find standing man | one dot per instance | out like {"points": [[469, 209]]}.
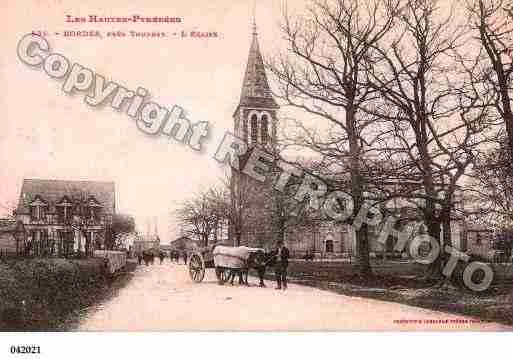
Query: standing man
{"points": [[280, 268]]}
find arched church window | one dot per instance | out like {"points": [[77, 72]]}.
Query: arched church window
{"points": [[254, 129], [245, 129], [264, 130]]}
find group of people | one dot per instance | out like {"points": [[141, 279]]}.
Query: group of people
{"points": [[149, 257], [174, 255]]}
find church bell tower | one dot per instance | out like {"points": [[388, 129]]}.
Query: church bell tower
{"points": [[255, 122], [255, 116]]}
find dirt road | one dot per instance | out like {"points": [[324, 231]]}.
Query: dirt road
{"points": [[163, 298]]}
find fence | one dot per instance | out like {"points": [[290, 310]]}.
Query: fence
{"points": [[115, 259]]}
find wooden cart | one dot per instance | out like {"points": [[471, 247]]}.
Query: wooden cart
{"points": [[203, 258]]}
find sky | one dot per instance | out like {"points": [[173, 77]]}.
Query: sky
{"points": [[49, 134], [46, 133]]}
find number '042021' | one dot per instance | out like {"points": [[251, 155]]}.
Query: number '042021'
{"points": [[25, 349]]}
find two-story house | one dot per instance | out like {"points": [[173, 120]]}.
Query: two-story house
{"points": [[65, 217]]}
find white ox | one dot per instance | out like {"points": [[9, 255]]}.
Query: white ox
{"points": [[233, 257]]}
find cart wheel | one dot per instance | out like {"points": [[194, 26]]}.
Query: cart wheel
{"points": [[222, 275], [196, 267]]}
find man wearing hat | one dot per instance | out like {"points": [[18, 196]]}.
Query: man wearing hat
{"points": [[280, 268]]}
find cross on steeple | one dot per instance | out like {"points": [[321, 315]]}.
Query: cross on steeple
{"points": [[255, 87], [254, 19], [255, 115]]}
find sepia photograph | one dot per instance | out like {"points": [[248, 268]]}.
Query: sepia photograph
{"points": [[270, 166]]}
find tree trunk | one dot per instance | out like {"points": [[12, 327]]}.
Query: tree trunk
{"points": [[237, 238], [281, 230], [443, 258], [508, 120], [434, 270], [362, 240], [362, 248], [444, 223]]}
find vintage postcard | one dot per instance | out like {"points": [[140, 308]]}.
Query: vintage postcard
{"points": [[241, 165]]}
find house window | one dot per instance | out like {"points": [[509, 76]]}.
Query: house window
{"points": [[264, 130], [329, 246], [254, 129], [38, 209], [94, 213], [64, 213], [34, 212], [37, 212]]}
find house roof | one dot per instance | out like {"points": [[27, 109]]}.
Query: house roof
{"points": [[255, 88], [53, 191]]}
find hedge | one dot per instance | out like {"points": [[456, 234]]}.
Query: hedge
{"points": [[35, 292]]}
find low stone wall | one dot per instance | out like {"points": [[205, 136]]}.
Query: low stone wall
{"points": [[334, 269], [115, 259], [503, 272]]}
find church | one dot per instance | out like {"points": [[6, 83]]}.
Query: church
{"points": [[259, 217], [256, 205]]}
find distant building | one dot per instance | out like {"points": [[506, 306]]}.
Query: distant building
{"points": [[185, 244], [65, 217], [13, 237], [326, 238]]}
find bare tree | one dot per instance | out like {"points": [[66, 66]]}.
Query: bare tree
{"points": [[492, 21], [436, 114], [322, 75], [197, 217], [491, 187]]}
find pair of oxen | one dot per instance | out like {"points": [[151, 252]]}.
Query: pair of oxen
{"points": [[230, 262]]}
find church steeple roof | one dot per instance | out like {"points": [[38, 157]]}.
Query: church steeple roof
{"points": [[255, 88]]}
